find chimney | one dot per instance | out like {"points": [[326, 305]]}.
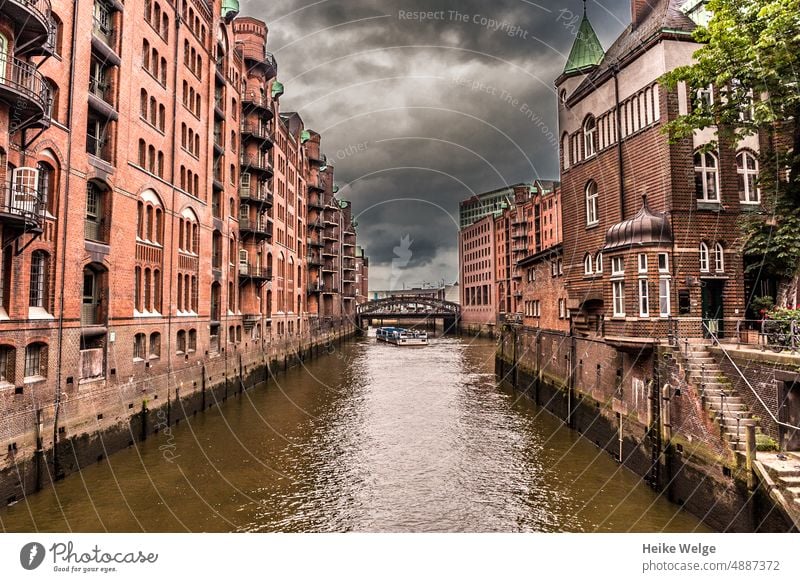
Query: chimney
{"points": [[640, 9]]}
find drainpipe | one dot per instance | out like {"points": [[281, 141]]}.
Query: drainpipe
{"points": [[618, 123], [60, 353], [178, 20]]}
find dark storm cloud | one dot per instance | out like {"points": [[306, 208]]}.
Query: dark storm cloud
{"points": [[419, 113]]}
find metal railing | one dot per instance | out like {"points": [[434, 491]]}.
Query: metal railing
{"points": [[23, 202], [777, 335], [39, 8], [255, 271], [100, 89], [24, 78], [257, 162], [715, 340], [105, 33]]}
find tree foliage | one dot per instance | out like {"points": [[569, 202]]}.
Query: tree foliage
{"points": [[751, 57]]}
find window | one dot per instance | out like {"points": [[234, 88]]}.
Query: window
{"points": [[39, 277], [592, 211], [598, 263], [8, 356], [617, 266], [704, 257], [704, 99], [155, 345], [590, 136], [192, 340], [642, 263], [139, 346], [663, 263], [747, 169], [94, 228], [618, 295], [664, 297], [719, 258], [181, 343], [36, 360], [562, 308], [644, 298], [587, 264], [705, 177]]}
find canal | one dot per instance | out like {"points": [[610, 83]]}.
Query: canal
{"points": [[369, 438]]}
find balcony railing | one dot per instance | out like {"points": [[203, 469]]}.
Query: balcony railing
{"points": [[255, 271], [256, 193], [314, 260], [105, 33], [257, 100], [256, 162], [24, 79], [23, 204], [257, 130], [315, 202], [32, 15], [258, 227], [100, 89]]}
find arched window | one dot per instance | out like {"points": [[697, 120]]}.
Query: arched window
{"points": [[146, 54], [590, 136], [598, 262], [719, 258], [704, 257], [565, 151], [747, 169], [706, 181], [53, 112], [40, 274], [587, 264], [46, 186], [155, 345], [592, 204], [143, 101]]}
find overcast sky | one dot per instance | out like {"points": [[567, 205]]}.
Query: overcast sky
{"points": [[420, 113]]}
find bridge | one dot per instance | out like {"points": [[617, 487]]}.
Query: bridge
{"points": [[410, 309]]}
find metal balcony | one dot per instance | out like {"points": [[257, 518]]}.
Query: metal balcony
{"points": [[256, 194], [255, 272], [24, 89], [256, 163], [315, 203], [260, 229], [314, 261], [21, 208], [32, 19], [257, 132], [315, 185], [315, 243], [317, 287], [258, 101], [257, 58]]}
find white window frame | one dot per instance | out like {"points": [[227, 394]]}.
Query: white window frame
{"points": [[592, 203], [751, 194], [618, 296], [665, 268], [642, 262], [704, 258], [590, 137], [598, 263], [665, 296], [719, 258], [705, 171], [617, 266], [644, 297], [587, 264]]}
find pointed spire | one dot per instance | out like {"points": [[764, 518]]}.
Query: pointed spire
{"points": [[587, 52]]}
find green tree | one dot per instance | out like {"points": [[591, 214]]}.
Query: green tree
{"points": [[751, 57]]}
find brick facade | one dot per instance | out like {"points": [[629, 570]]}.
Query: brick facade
{"points": [[160, 220]]}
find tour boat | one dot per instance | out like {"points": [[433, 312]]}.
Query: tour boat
{"points": [[402, 337]]}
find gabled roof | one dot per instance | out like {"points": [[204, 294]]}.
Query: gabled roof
{"points": [[587, 52], [665, 17]]}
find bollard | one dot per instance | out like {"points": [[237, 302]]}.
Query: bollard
{"points": [[750, 453]]}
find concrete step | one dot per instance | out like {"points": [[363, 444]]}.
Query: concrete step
{"points": [[794, 492], [790, 481], [699, 360], [727, 403]]}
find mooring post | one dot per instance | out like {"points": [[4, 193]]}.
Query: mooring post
{"points": [[750, 455]]}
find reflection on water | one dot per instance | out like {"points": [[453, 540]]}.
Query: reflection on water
{"points": [[371, 438]]}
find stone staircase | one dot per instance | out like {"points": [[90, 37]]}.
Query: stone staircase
{"points": [[723, 404], [781, 474]]}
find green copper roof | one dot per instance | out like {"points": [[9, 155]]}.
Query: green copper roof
{"points": [[230, 8], [587, 51], [305, 136], [277, 89]]}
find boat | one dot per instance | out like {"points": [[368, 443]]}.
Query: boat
{"points": [[402, 337]]}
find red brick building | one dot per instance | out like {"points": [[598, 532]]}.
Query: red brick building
{"points": [[477, 260], [156, 203], [650, 229]]}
